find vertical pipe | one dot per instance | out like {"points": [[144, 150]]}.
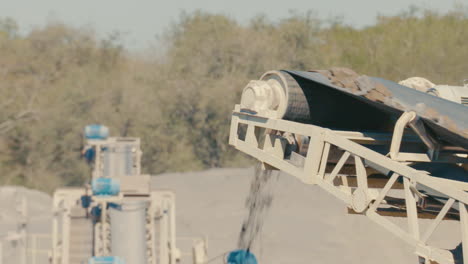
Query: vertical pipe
{"points": [[152, 231], [128, 231], [107, 169], [97, 162], [163, 231], [55, 216], [66, 234], [128, 160], [103, 230], [23, 231], [172, 228], [138, 160]]}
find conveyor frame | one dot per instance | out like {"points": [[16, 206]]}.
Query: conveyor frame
{"points": [[270, 149]]}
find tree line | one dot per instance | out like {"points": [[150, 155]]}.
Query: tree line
{"points": [[178, 97]]}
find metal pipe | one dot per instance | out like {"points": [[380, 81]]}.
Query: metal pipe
{"points": [[128, 231], [172, 226]]}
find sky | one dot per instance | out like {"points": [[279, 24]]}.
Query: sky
{"points": [[141, 21]]}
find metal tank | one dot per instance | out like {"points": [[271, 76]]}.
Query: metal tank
{"points": [[128, 231]]}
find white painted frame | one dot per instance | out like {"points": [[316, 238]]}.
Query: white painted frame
{"points": [[313, 172]]}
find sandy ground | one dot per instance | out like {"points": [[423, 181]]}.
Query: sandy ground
{"points": [[304, 225]]}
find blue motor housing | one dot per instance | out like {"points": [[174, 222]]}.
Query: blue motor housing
{"points": [[106, 260], [241, 256], [96, 132], [105, 186], [89, 154]]}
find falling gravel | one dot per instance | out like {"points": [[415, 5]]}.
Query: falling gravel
{"points": [[258, 202]]}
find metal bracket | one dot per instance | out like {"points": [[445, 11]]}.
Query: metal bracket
{"points": [[412, 120]]}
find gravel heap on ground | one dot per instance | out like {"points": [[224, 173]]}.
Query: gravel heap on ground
{"points": [[304, 224]]}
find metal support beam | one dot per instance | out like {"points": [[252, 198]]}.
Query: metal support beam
{"points": [[411, 209], [323, 163], [430, 230], [361, 173], [312, 162], [330, 177], [384, 192]]}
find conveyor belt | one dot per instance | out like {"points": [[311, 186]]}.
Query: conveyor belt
{"points": [[313, 99]]}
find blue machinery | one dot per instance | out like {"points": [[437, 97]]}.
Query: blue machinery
{"points": [[105, 260], [117, 219]]}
